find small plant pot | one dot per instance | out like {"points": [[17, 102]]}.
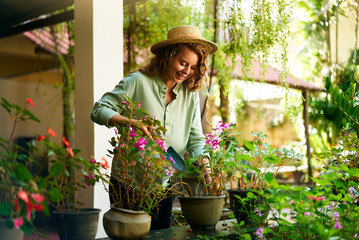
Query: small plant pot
{"points": [[7, 233], [122, 223], [243, 207], [74, 225], [202, 213]]}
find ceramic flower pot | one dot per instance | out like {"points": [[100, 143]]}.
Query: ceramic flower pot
{"points": [[74, 225], [243, 207], [122, 223], [202, 213], [6, 233]]}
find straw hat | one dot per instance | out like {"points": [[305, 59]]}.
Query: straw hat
{"points": [[184, 34]]}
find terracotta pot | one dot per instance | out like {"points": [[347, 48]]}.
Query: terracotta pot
{"points": [[74, 225], [202, 213], [122, 223], [7, 233], [244, 209]]}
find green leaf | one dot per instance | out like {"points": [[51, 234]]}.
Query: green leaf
{"points": [[22, 173], [56, 169], [5, 209], [55, 195], [248, 145], [244, 157]]}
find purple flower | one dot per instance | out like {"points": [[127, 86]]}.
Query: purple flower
{"points": [[256, 211], [353, 194], [291, 202], [134, 163], [337, 225], [306, 213], [332, 205], [139, 104], [116, 132], [140, 145], [259, 232], [93, 161], [336, 216]]}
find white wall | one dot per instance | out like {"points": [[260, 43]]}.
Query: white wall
{"points": [[99, 67]]}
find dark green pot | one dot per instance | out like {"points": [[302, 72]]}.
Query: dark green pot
{"points": [[73, 225]]}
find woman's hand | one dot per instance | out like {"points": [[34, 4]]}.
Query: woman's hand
{"points": [[120, 120]]}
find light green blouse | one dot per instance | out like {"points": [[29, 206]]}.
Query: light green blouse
{"points": [[181, 117]]}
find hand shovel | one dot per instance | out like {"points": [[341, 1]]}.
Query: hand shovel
{"points": [[175, 159]]}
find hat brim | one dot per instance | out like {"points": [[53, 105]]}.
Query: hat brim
{"points": [[210, 46]]}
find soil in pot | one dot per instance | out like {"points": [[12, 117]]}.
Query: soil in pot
{"points": [[73, 225], [202, 213], [244, 207]]}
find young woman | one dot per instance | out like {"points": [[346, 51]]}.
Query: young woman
{"points": [[167, 88]]}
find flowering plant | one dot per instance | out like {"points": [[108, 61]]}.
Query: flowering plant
{"points": [[63, 180], [220, 148], [140, 166], [20, 191]]}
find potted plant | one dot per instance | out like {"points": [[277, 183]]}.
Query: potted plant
{"points": [[141, 164], [20, 191], [254, 162], [68, 174], [203, 212]]}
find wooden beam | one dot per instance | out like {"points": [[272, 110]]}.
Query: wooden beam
{"points": [[306, 128], [54, 19]]}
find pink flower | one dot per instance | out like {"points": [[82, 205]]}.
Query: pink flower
{"points": [[18, 222], [169, 171], [93, 161], [23, 196], [134, 163], [314, 198], [132, 132], [139, 104], [37, 197], [332, 205], [291, 202], [336, 216], [306, 213], [116, 132], [29, 101], [161, 144], [140, 145]]}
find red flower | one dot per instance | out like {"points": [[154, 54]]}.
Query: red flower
{"points": [[39, 207], [70, 151], [52, 133], [16, 203], [314, 198], [23, 196], [104, 164], [40, 138], [29, 101], [67, 144]]}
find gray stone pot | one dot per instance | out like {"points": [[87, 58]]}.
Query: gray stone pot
{"points": [[122, 223], [6, 233], [202, 213], [74, 225]]}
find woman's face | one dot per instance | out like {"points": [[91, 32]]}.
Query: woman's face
{"points": [[182, 66]]}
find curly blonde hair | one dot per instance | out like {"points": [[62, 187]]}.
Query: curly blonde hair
{"points": [[162, 59]]}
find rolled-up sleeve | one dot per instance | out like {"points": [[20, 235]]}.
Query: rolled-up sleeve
{"points": [[196, 139], [110, 103]]}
